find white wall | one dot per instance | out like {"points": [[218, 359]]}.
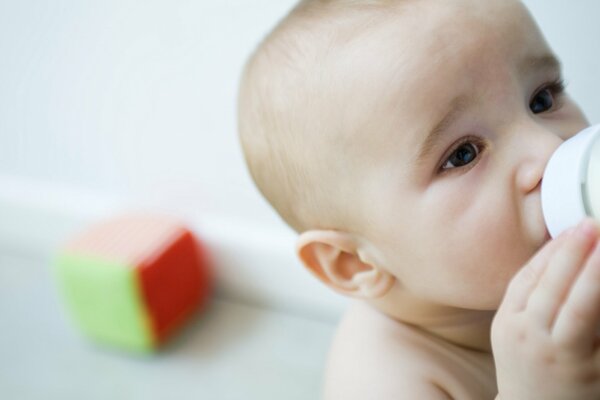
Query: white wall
{"points": [[131, 97], [123, 101]]}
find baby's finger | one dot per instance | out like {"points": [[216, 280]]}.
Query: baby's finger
{"points": [[558, 277], [578, 320], [525, 280]]}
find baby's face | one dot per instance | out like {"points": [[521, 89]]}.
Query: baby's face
{"points": [[464, 105]]}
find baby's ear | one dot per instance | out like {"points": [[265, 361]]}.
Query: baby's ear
{"points": [[334, 258]]}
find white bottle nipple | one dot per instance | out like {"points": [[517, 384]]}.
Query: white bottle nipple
{"points": [[571, 182]]}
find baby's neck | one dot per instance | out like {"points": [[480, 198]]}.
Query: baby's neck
{"points": [[470, 330], [463, 327]]}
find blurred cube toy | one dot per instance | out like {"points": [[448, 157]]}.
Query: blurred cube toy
{"points": [[132, 280]]}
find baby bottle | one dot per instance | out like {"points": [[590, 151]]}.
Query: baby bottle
{"points": [[571, 183]]}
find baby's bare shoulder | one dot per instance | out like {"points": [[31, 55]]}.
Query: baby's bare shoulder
{"points": [[373, 356]]}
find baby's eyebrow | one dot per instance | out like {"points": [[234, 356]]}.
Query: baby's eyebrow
{"points": [[540, 62], [457, 106]]}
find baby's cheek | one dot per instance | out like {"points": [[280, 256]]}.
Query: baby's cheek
{"points": [[503, 254], [494, 251]]}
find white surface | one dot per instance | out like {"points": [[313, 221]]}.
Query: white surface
{"points": [[593, 178], [231, 352]]}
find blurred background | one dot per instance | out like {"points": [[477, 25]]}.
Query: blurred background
{"points": [[108, 106]]}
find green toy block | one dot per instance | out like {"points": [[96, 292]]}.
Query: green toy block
{"points": [[104, 299], [131, 281]]}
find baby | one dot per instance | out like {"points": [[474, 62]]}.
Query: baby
{"points": [[405, 142]]}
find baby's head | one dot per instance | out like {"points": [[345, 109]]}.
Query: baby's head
{"points": [[405, 141]]}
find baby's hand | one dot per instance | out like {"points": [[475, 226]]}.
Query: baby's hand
{"points": [[544, 335]]}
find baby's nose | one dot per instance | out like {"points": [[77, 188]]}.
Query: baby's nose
{"points": [[540, 147], [529, 176]]}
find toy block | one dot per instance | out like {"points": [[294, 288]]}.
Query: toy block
{"points": [[133, 280]]}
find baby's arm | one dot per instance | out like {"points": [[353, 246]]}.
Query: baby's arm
{"points": [[544, 335]]}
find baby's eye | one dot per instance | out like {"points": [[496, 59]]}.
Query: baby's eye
{"points": [[463, 155], [546, 99], [543, 101]]}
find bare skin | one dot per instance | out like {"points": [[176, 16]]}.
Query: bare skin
{"points": [[445, 114], [446, 234], [402, 362]]}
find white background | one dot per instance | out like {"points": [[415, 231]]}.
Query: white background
{"points": [[131, 98]]}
